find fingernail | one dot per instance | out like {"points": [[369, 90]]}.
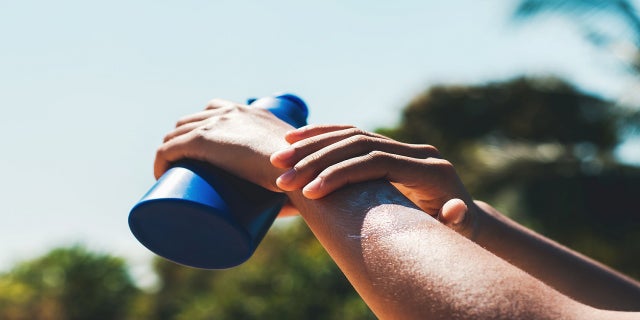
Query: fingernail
{"points": [[286, 177], [461, 213], [459, 218], [313, 186], [284, 154]]}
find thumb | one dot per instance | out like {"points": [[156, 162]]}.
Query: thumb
{"points": [[452, 212]]}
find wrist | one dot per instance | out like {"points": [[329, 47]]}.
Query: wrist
{"points": [[489, 224], [469, 227]]}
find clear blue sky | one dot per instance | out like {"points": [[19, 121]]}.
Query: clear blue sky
{"points": [[88, 88]]}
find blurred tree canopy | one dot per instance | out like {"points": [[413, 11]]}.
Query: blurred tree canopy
{"points": [[67, 283], [538, 149], [613, 25], [542, 152], [289, 277]]}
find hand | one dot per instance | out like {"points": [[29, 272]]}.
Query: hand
{"points": [[323, 159], [230, 136]]}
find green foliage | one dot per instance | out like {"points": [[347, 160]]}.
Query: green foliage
{"points": [[593, 18], [289, 277], [535, 148], [543, 152], [69, 283], [544, 110]]}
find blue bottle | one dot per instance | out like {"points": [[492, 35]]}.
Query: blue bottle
{"points": [[201, 216]]}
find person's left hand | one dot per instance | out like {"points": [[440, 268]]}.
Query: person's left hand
{"points": [[324, 158]]}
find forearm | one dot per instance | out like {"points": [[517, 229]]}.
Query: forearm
{"points": [[567, 271], [406, 265], [402, 261]]}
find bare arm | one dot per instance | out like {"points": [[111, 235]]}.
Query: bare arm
{"points": [[334, 156], [406, 265], [567, 271]]}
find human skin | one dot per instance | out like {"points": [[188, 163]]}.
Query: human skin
{"points": [[325, 158], [404, 263]]}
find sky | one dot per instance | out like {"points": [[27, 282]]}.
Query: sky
{"points": [[89, 88]]}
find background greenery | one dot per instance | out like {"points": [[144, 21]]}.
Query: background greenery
{"points": [[537, 148]]}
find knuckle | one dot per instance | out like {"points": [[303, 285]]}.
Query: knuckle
{"points": [[445, 166], [359, 140], [225, 110], [354, 131], [427, 151], [201, 132], [348, 127], [379, 157], [216, 103], [182, 120]]}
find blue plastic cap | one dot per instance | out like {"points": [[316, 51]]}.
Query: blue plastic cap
{"points": [[185, 219], [286, 106]]}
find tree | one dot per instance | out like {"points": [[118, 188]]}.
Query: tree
{"points": [[542, 151], [535, 147], [289, 277], [67, 283], [622, 38]]}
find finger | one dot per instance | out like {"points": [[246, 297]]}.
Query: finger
{"points": [[210, 110], [306, 169], [453, 212], [288, 157], [375, 165], [215, 107], [185, 128], [172, 151], [313, 130], [196, 117], [220, 103]]}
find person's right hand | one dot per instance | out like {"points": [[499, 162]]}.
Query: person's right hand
{"points": [[324, 158], [230, 136]]}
